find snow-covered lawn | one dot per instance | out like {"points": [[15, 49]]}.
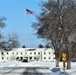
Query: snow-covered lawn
{"points": [[51, 65], [58, 71]]}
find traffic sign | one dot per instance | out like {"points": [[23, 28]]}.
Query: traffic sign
{"points": [[64, 56], [64, 59]]}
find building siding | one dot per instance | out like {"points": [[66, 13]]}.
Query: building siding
{"points": [[39, 54]]}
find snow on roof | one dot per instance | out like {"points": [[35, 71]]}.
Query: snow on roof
{"points": [[31, 49]]}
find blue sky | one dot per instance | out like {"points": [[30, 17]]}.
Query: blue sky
{"points": [[20, 22]]}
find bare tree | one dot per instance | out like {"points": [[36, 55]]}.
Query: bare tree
{"points": [[56, 23], [11, 41], [2, 25]]}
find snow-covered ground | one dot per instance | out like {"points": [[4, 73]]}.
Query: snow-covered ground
{"points": [[51, 65], [58, 71]]}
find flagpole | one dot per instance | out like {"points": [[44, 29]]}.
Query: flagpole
{"points": [[28, 12], [25, 28]]}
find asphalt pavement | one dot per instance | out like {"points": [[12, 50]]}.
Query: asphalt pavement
{"points": [[25, 71]]}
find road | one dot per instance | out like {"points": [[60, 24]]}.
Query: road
{"points": [[24, 71]]}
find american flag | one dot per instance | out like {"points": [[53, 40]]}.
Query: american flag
{"points": [[29, 11]]}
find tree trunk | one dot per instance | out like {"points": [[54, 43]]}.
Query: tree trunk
{"points": [[68, 59], [57, 62], [57, 58], [68, 64]]}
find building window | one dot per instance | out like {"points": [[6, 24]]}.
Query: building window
{"points": [[30, 53], [44, 52], [34, 52], [38, 52], [2, 53], [49, 58], [13, 53], [49, 52], [30, 57], [44, 57], [34, 57], [7, 58], [7, 53], [17, 53], [53, 57], [21, 58], [2, 58], [21, 53]]}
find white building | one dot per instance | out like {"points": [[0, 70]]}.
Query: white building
{"points": [[29, 54]]}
